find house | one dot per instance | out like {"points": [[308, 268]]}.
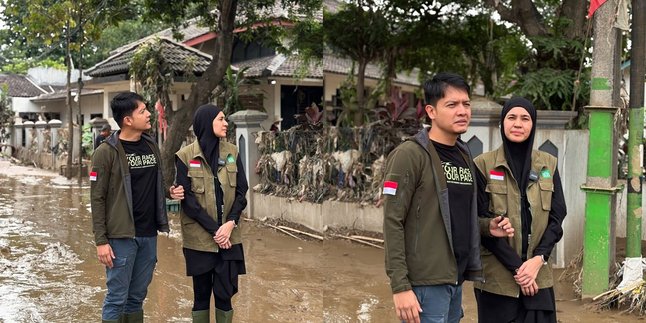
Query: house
{"points": [[283, 88]]}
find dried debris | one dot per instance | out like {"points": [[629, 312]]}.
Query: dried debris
{"points": [[316, 163], [630, 298]]}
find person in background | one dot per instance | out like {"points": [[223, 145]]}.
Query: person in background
{"points": [[211, 173], [524, 185], [106, 130]]}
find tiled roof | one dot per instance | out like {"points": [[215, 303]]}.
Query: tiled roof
{"points": [[291, 65], [277, 65], [256, 66], [20, 86], [189, 32], [338, 65], [175, 53]]}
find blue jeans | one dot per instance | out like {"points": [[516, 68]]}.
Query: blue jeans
{"points": [[128, 279], [439, 303]]}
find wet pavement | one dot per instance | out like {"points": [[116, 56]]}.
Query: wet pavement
{"points": [[49, 271]]}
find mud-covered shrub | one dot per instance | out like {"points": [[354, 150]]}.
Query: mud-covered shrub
{"points": [[315, 163]]}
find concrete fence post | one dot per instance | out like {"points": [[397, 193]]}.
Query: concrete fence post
{"points": [[29, 126], [40, 126], [247, 126]]}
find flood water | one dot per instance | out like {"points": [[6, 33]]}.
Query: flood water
{"points": [[49, 271]]}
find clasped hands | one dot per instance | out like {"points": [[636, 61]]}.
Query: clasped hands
{"points": [[526, 275], [223, 234]]}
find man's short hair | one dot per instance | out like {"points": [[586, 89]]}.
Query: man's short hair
{"points": [[123, 104], [106, 127], [435, 89]]}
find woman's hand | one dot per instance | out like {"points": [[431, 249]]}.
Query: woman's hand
{"points": [[526, 274], [223, 234], [531, 290]]}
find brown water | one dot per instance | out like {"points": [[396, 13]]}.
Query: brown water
{"points": [[49, 271]]}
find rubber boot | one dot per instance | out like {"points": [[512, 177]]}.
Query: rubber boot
{"points": [[137, 317], [223, 317], [201, 316], [120, 320]]}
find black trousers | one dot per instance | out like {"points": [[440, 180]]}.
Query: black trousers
{"points": [[494, 308], [222, 281]]}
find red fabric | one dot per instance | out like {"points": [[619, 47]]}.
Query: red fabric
{"points": [[594, 5], [493, 172], [390, 184], [161, 119]]}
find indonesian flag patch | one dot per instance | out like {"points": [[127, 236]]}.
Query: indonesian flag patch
{"points": [[93, 176], [390, 187], [194, 163], [496, 175]]}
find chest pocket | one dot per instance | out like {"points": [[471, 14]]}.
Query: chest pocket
{"points": [[197, 181], [547, 188], [497, 198], [232, 174]]}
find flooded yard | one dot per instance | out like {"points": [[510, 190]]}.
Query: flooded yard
{"points": [[49, 271]]}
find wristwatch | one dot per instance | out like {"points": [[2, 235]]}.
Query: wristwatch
{"points": [[543, 259]]}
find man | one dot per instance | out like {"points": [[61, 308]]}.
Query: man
{"points": [[431, 230], [106, 130], [128, 208]]}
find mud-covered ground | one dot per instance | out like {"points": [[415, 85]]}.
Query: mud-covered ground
{"points": [[49, 271]]}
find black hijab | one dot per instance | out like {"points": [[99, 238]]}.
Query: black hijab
{"points": [[519, 155], [203, 129]]}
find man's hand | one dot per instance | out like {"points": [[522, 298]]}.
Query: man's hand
{"points": [[501, 227], [407, 306], [526, 274], [105, 254], [176, 192]]}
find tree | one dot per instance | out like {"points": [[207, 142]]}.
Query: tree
{"points": [[361, 34], [19, 54], [249, 15], [67, 25], [550, 76], [6, 114]]}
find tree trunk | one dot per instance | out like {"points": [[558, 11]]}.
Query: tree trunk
{"points": [[79, 84], [575, 11], [70, 128], [202, 89], [361, 88], [524, 14]]}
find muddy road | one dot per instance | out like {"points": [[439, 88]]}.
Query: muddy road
{"points": [[49, 271]]}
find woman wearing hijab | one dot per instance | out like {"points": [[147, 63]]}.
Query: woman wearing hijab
{"points": [[211, 172], [524, 185]]}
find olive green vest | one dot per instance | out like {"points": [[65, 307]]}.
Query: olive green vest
{"points": [[505, 200], [203, 187]]}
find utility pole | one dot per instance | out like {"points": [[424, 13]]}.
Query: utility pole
{"points": [[79, 90], [70, 135], [636, 132], [601, 181]]}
